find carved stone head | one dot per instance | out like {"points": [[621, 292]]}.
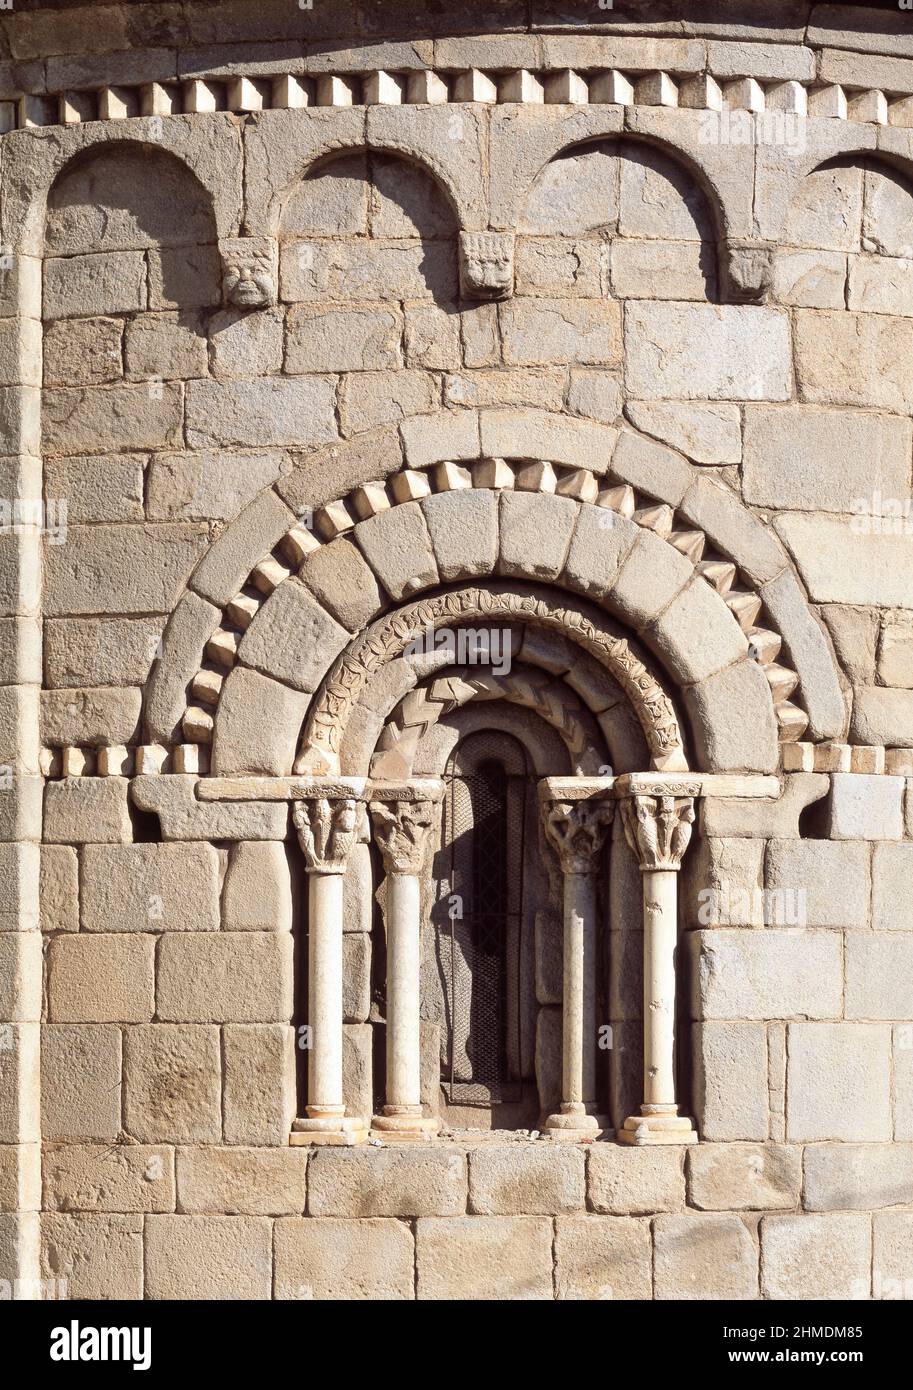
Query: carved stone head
{"points": [[249, 272], [486, 264]]}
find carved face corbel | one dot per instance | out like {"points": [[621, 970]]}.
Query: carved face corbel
{"points": [[249, 272], [486, 265]]}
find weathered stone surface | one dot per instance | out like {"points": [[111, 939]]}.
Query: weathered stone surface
{"points": [[696, 635], [857, 1176], [120, 569], [81, 1071], [882, 717], [513, 1180], [224, 977], [259, 1095], [257, 893], [602, 1257], [343, 583], [99, 1257], [811, 868], [593, 393], [59, 889], [165, 347], [203, 1257], [651, 468], [650, 576], [660, 270], [543, 331], [259, 723], [767, 973], [398, 548], [731, 1094], [101, 979], [484, 1257], [293, 638], [892, 887], [599, 545], [536, 530], [749, 1177], [704, 1257], [241, 1181], [706, 352], [327, 1258], [83, 352], [807, 459], [80, 811], [200, 486], [726, 739], [878, 975], [270, 411], [244, 345], [854, 359], [838, 1081], [895, 656], [369, 400], [892, 1234], [394, 1181], [105, 716], [172, 1084], [105, 1177], [112, 283], [704, 431], [865, 807], [322, 338], [809, 279], [150, 888], [860, 560], [463, 526], [623, 1181], [90, 419], [816, 1256]]}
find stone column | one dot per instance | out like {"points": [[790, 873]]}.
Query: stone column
{"points": [[577, 831], [403, 816], [657, 826], [327, 826]]}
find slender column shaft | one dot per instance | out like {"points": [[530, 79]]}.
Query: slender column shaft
{"points": [[403, 994], [325, 994], [660, 891]]}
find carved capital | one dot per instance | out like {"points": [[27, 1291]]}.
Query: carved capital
{"points": [[486, 265], [327, 828], [249, 272], [577, 831], [658, 829], [401, 831], [747, 268]]}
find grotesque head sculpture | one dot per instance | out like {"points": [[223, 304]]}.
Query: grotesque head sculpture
{"points": [[249, 273], [486, 264]]}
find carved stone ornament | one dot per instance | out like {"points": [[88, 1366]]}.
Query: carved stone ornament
{"points": [[658, 829], [747, 270], [327, 830], [249, 266], [577, 831], [388, 638], [486, 265], [401, 830]]}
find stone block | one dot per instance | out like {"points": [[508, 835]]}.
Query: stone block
{"points": [[804, 458], [105, 1177], [696, 635], [816, 1257], [731, 1082], [624, 1180], [98, 1256], [599, 545], [246, 345], [882, 717], [229, 561], [649, 578], [536, 530], [90, 717], [651, 468], [704, 1257], [746, 1177], [87, 810], [185, 277], [854, 632], [602, 1257], [208, 1257], [432, 336], [705, 431], [453, 435], [375, 270], [811, 868], [257, 894], [356, 977], [838, 1082], [101, 979], [369, 400], [59, 889], [293, 638], [809, 651], [767, 973], [210, 487], [324, 338], [726, 738], [264, 413], [81, 1081], [343, 583], [537, 434], [241, 1181], [172, 1084], [167, 346], [113, 282], [721, 882], [892, 887], [809, 279], [484, 1257], [595, 394], [129, 415], [21, 1118], [661, 270], [854, 359], [706, 352], [895, 653], [865, 807], [120, 569], [99, 487], [259, 1092], [83, 352], [544, 332], [398, 548], [150, 887], [393, 1181], [259, 725], [879, 975], [892, 1256], [329, 1259], [529, 1180], [463, 526], [841, 1177], [225, 977]]}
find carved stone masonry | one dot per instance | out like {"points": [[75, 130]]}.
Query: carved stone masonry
{"points": [[249, 272], [577, 831], [327, 830], [658, 829], [401, 830], [486, 265]]}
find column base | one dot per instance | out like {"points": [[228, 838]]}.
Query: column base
{"points": [[404, 1127], [329, 1129], [576, 1127], [657, 1129]]}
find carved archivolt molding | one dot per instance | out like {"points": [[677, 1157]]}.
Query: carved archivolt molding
{"points": [[387, 639]]}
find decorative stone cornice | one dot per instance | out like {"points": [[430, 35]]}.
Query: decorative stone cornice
{"points": [[577, 831], [658, 827]]}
